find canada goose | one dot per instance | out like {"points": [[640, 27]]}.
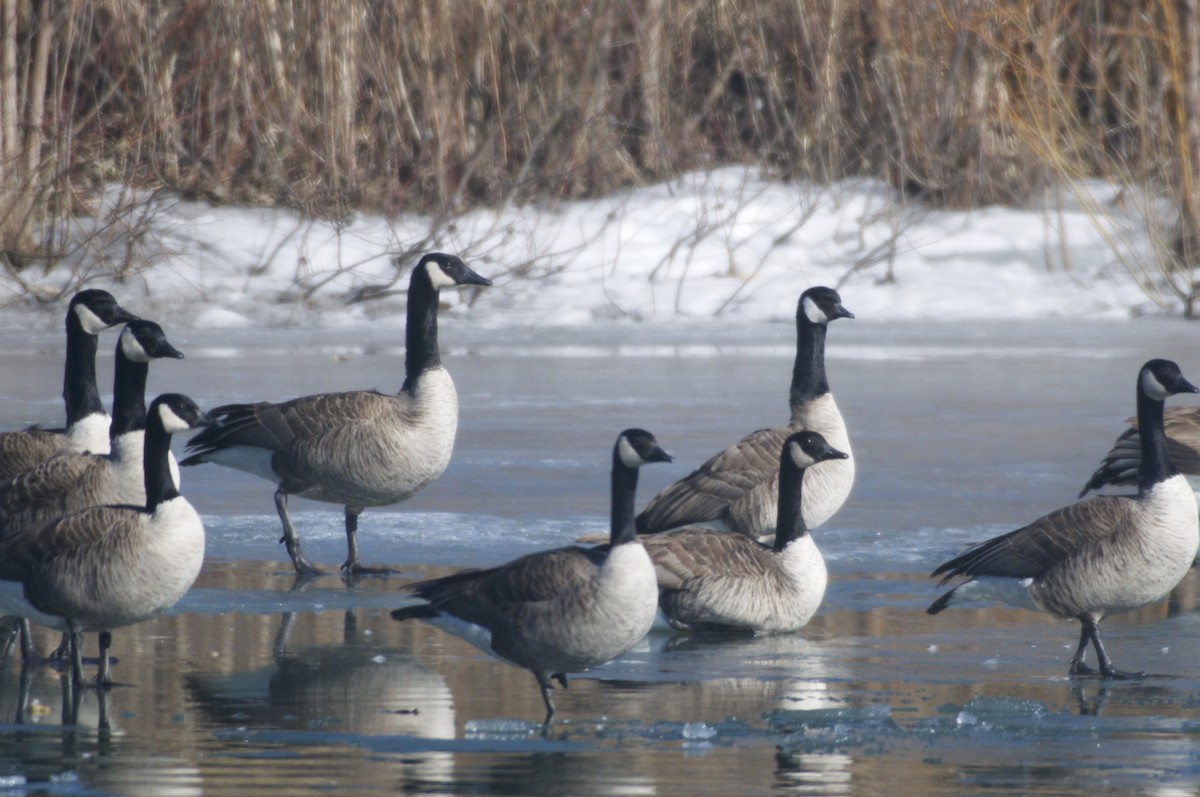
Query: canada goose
{"points": [[1102, 555], [563, 610], [89, 313], [69, 482], [361, 448], [711, 579], [110, 566], [738, 488]]}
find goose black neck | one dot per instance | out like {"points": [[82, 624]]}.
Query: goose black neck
{"points": [[1156, 462], [80, 393], [624, 488], [420, 334], [808, 373], [129, 396], [789, 522], [156, 464]]}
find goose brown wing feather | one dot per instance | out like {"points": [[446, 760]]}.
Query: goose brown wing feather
{"points": [[1120, 465], [20, 451], [685, 554], [279, 426], [76, 535], [484, 596], [1031, 551], [1182, 427], [707, 492], [40, 494]]}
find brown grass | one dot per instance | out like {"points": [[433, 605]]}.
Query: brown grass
{"points": [[433, 106]]}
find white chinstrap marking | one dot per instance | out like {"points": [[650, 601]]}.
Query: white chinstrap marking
{"points": [[814, 313], [91, 323], [132, 348]]}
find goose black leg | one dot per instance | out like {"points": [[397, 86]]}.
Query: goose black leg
{"points": [[302, 565], [547, 698], [8, 636], [104, 675], [351, 567], [1077, 665], [1107, 669], [1090, 632], [64, 648], [76, 654]]}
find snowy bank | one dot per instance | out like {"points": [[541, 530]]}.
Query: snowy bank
{"points": [[722, 244]]}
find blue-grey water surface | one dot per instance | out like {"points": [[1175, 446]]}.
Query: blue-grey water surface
{"points": [[961, 431]]}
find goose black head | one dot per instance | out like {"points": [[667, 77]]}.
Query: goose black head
{"points": [[807, 448], [636, 447], [142, 341], [1161, 378], [448, 271], [97, 310], [178, 413], [820, 305]]}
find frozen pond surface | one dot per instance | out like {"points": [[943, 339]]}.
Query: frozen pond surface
{"points": [[961, 432]]}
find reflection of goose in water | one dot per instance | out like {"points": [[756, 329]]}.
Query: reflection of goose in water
{"points": [[815, 773], [788, 672], [359, 686], [79, 743], [555, 772], [33, 695]]}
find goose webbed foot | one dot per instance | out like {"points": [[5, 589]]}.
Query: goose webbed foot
{"points": [[1111, 673], [352, 568], [305, 569], [352, 571], [1090, 632], [63, 651], [1079, 669]]}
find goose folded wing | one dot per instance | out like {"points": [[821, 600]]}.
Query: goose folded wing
{"points": [[1120, 465], [706, 493], [276, 426], [484, 596], [686, 554], [1182, 427], [41, 493], [74, 536], [1031, 551]]}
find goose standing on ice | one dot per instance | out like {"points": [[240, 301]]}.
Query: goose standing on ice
{"points": [[89, 313], [1102, 555], [359, 449], [564, 610], [711, 579], [69, 482], [111, 566], [738, 489]]}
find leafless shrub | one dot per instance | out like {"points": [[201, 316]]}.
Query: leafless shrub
{"points": [[425, 106]]}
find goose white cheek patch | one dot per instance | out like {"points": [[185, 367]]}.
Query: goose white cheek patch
{"points": [[814, 313], [630, 458], [438, 276], [1152, 387], [799, 456], [90, 322], [132, 348], [171, 421]]}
